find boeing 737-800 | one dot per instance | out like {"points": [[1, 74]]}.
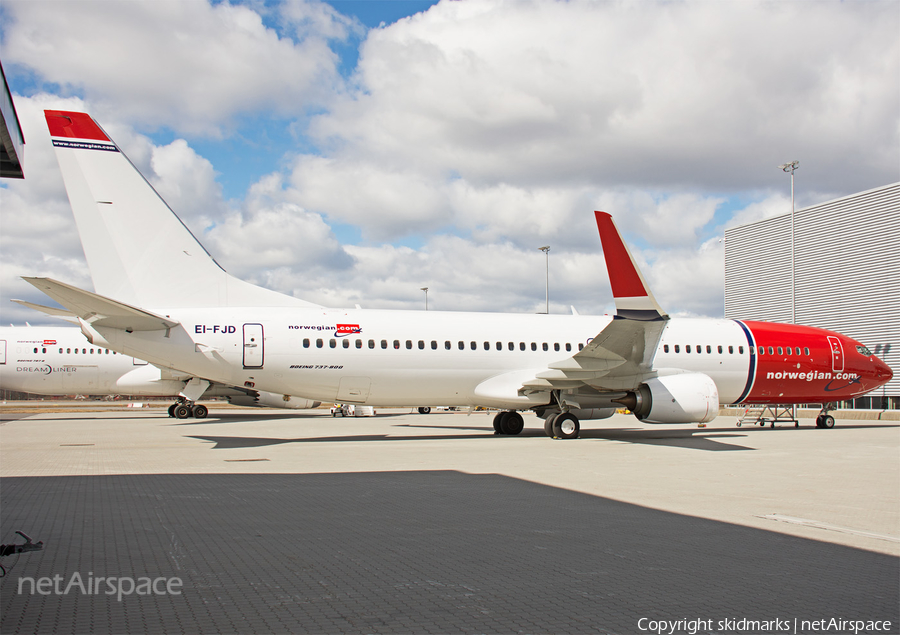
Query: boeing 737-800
{"points": [[54, 360], [163, 298]]}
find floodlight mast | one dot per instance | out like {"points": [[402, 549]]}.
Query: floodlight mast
{"points": [[789, 168], [425, 289], [546, 250]]}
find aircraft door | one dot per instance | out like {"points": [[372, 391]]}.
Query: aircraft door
{"points": [[837, 354], [354, 389], [254, 352], [2, 351]]}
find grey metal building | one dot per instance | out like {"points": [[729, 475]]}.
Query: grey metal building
{"points": [[846, 274]]}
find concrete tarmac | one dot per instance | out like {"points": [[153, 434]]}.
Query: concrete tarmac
{"points": [[280, 521]]}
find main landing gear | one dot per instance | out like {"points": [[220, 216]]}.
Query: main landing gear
{"points": [[508, 422], [182, 409], [562, 425], [825, 420]]}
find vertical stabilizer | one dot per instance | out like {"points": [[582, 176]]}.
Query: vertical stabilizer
{"points": [[634, 301], [139, 252]]}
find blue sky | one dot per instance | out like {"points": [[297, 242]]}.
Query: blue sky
{"points": [[344, 154]]}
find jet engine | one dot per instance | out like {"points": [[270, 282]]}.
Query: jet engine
{"points": [[682, 398], [271, 400]]}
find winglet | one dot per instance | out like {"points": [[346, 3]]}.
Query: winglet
{"points": [[634, 301]]}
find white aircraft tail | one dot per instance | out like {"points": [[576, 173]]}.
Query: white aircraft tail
{"points": [[138, 251]]}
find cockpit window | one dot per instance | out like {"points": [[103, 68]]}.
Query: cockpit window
{"points": [[863, 350]]}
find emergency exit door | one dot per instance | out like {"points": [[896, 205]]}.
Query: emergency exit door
{"points": [[254, 353]]}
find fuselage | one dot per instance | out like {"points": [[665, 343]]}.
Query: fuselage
{"points": [[408, 358]]}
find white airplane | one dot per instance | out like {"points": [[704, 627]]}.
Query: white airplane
{"points": [[160, 296], [53, 360]]}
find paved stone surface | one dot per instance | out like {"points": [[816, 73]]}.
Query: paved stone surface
{"points": [[413, 552], [279, 523]]}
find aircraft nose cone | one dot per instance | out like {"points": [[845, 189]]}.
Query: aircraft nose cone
{"points": [[883, 372]]}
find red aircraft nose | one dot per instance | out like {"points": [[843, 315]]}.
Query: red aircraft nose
{"points": [[883, 372]]}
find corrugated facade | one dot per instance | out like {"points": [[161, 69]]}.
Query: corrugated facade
{"points": [[847, 271]]}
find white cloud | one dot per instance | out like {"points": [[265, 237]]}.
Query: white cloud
{"points": [[190, 66]]}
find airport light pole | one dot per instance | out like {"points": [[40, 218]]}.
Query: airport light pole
{"points": [[546, 250], [425, 289], [789, 168]]}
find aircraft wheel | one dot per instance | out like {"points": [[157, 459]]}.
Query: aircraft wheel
{"points": [[181, 412], [424, 410], [548, 424], [498, 418], [512, 424], [566, 426], [199, 411], [819, 422], [827, 421], [172, 409]]}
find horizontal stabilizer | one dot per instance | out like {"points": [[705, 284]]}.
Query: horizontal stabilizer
{"points": [[97, 310]]}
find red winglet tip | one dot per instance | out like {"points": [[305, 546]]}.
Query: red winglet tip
{"points": [[73, 125]]}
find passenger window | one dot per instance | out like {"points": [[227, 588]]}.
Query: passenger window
{"points": [[665, 348], [512, 346], [731, 350], [461, 345], [396, 345], [805, 351], [699, 349], [319, 343], [568, 347], [346, 343], [68, 351], [358, 343], [687, 349], [771, 351], [720, 350], [371, 343], [677, 348], [383, 344], [741, 350], [487, 346], [780, 351], [305, 342], [556, 346], [762, 351], [60, 350], [421, 345], [434, 345], [447, 345], [580, 346], [409, 345], [521, 346], [473, 346], [332, 343], [545, 347], [709, 349], [533, 346], [76, 351], [35, 349]]}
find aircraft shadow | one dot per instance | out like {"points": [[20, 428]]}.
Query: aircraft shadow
{"points": [[687, 439]]}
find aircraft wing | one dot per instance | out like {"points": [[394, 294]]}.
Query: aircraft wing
{"points": [[98, 310], [620, 357]]}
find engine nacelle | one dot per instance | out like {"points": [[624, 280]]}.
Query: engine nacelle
{"points": [[682, 398], [585, 414], [271, 400]]}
